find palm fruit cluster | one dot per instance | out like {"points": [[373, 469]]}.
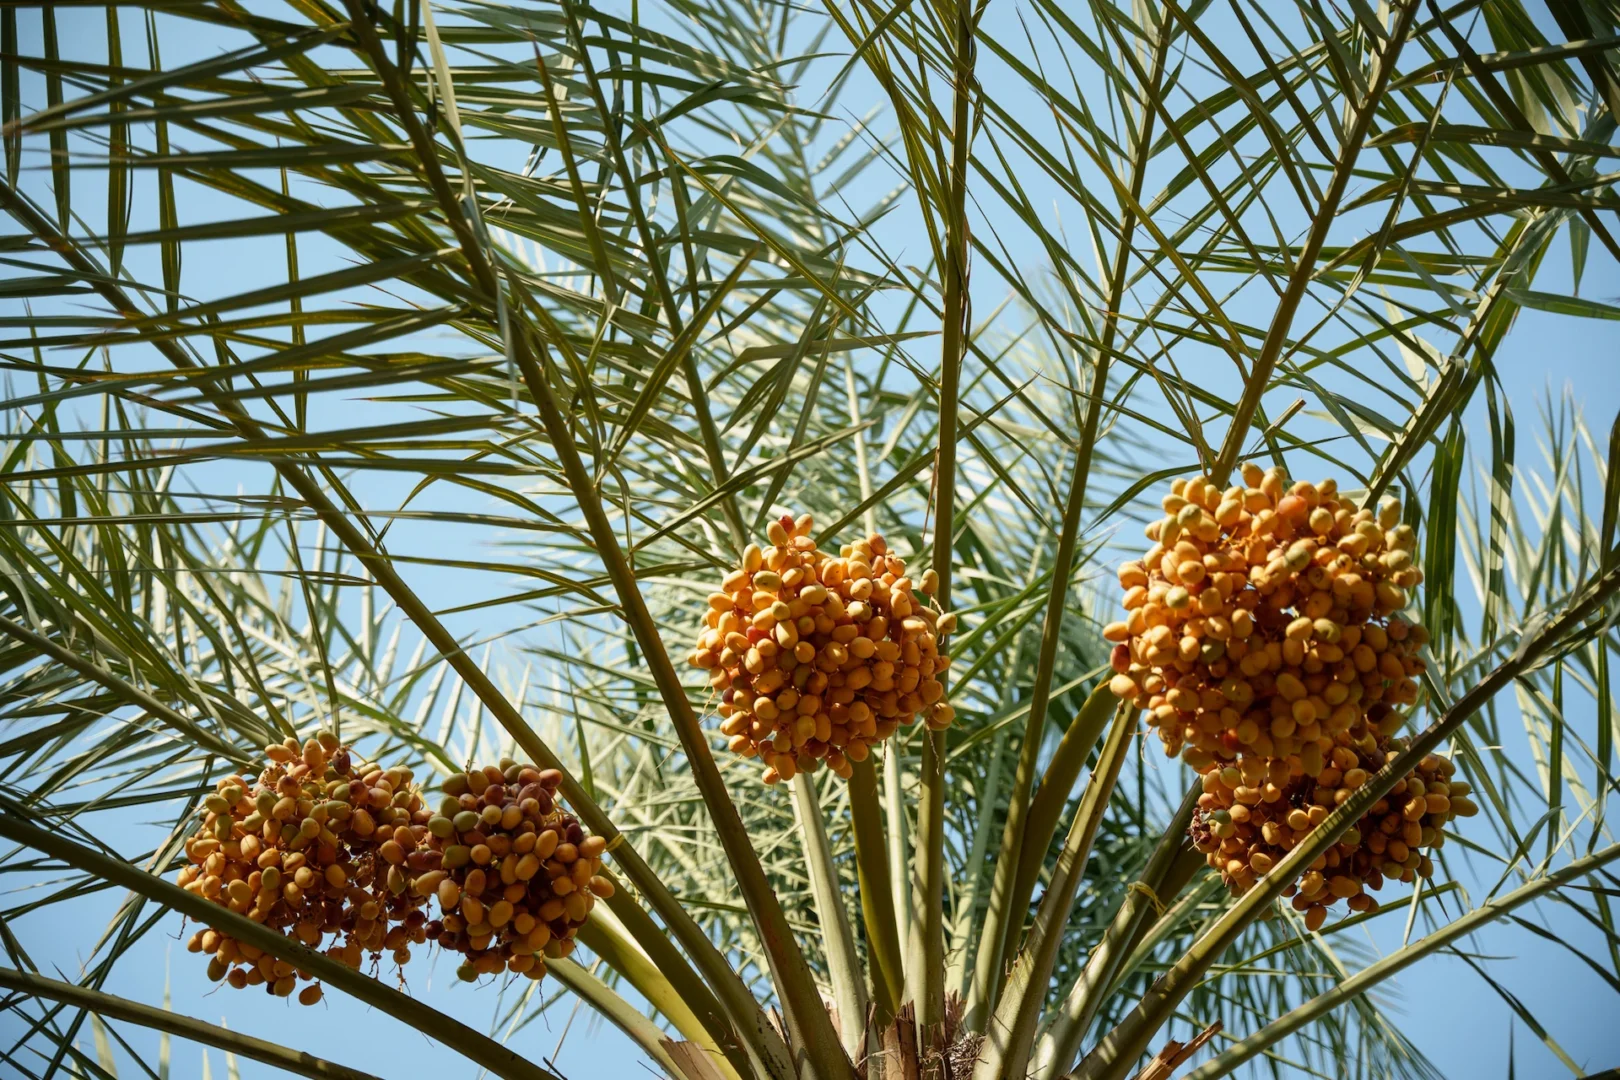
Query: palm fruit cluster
{"points": [[818, 658], [1245, 839], [514, 874], [1263, 636], [296, 851]]}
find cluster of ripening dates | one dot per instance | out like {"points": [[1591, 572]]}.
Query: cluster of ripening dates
{"points": [[1264, 638], [514, 874], [345, 858], [819, 658]]}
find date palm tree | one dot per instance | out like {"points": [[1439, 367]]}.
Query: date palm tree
{"points": [[411, 373]]}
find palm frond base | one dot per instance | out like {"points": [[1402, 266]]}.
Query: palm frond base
{"points": [[900, 1052]]}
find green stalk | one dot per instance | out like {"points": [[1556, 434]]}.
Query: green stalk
{"points": [[1271, 348], [925, 965], [965, 932], [1008, 901], [1004, 919], [899, 845], [1010, 1037], [605, 936], [747, 1020], [117, 1008], [1046, 809], [1061, 1043], [877, 895], [452, 1033], [618, 1012], [690, 990], [1373, 974], [1113, 1057], [1149, 935], [838, 941]]}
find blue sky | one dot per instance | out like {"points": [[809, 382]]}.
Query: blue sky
{"points": [[1448, 1010]]}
